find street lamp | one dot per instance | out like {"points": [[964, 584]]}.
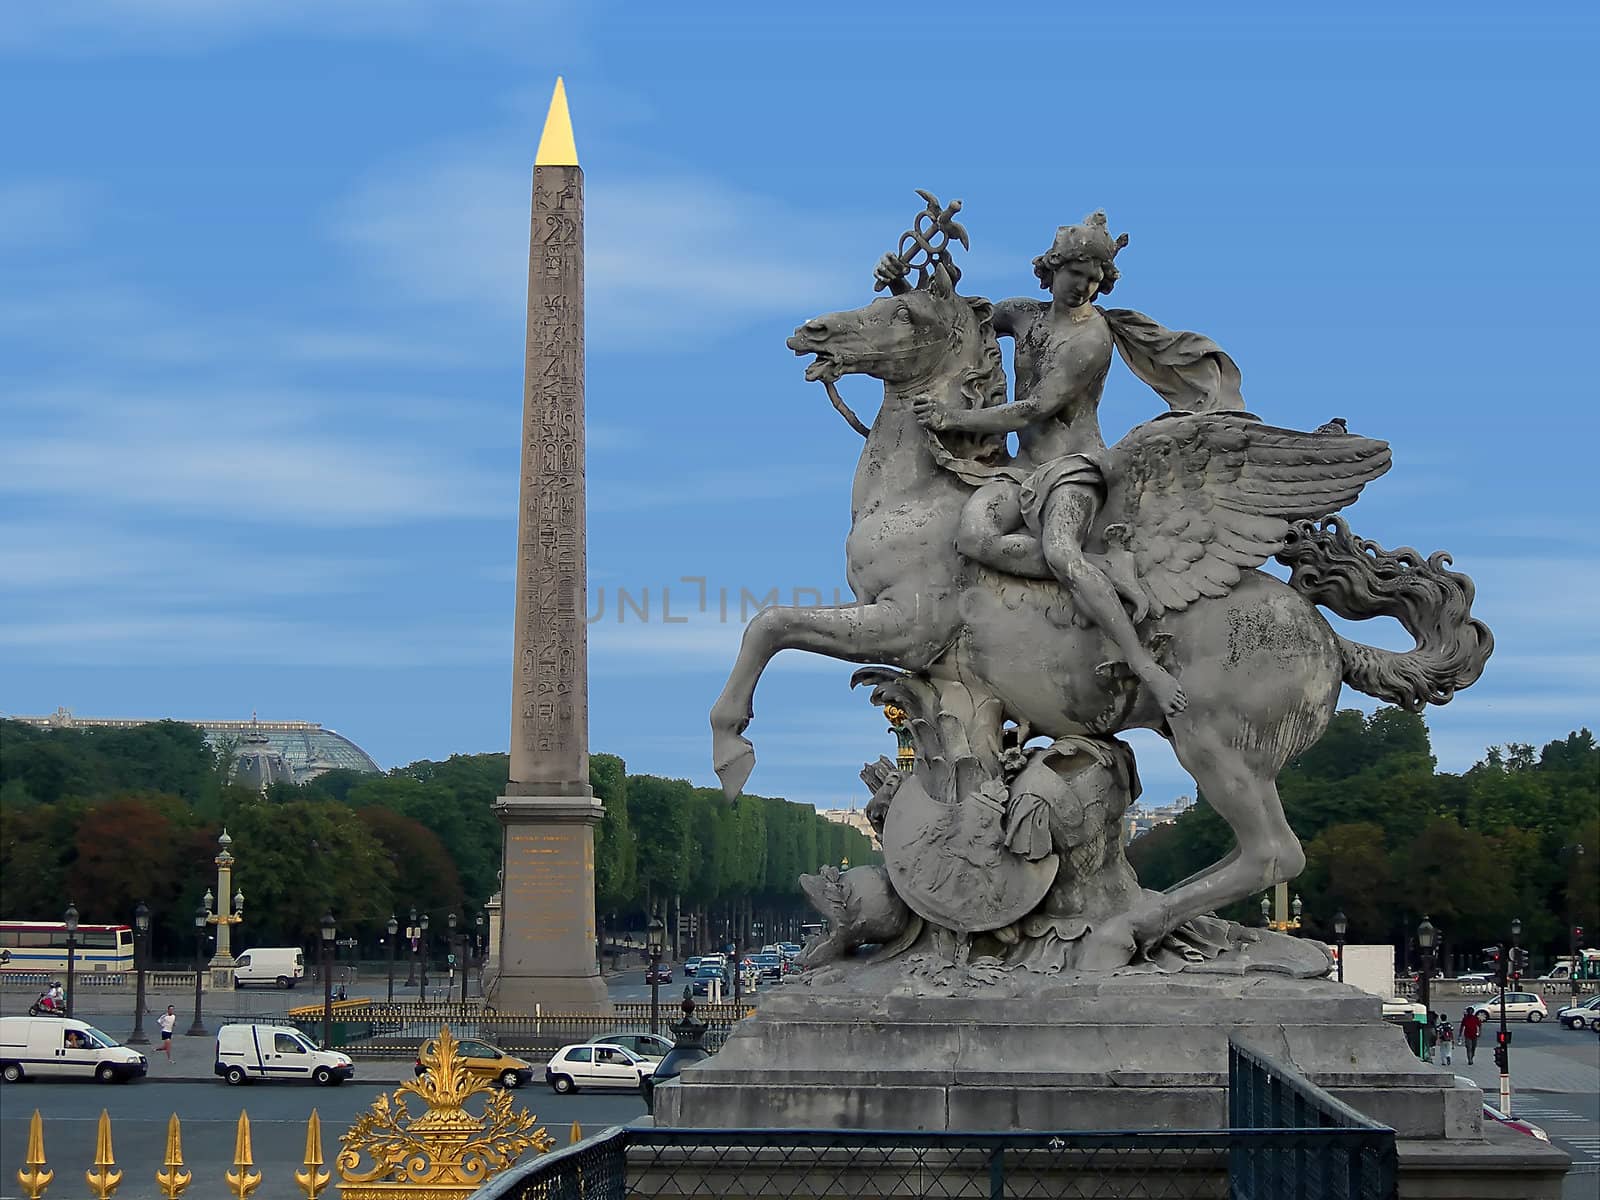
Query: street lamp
{"points": [[412, 934], [1266, 911], [1339, 927], [141, 930], [422, 937], [202, 918], [1426, 935], [655, 979], [71, 918], [330, 931], [458, 957], [478, 948], [393, 928], [1297, 908]]}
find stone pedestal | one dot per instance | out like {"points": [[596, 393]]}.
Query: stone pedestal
{"points": [[547, 931], [1119, 1053]]}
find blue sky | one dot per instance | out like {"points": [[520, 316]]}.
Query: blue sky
{"points": [[262, 267]]}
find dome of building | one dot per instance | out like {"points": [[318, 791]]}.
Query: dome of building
{"points": [[307, 748], [257, 763]]}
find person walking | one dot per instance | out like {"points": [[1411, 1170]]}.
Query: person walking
{"points": [[1471, 1027], [1447, 1041], [165, 1022]]}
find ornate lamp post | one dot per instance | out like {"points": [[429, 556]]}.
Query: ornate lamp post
{"points": [[393, 927], [1426, 936], [451, 922], [141, 931], [202, 919], [71, 918], [224, 919], [1575, 854], [413, 932], [1339, 927], [655, 979], [330, 931], [1276, 911], [1502, 1051], [478, 950], [422, 938]]}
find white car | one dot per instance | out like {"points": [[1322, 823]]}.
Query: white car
{"points": [[1577, 1016], [651, 1047], [596, 1065], [1528, 1006]]}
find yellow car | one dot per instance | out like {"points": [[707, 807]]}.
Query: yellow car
{"points": [[483, 1061]]}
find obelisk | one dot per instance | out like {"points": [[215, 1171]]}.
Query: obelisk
{"points": [[548, 812]]}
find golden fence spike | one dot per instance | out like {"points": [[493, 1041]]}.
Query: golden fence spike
{"points": [[172, 1179], [311, 1181], [104, 1178], [35, 1178], [242, 1180], [577, 1134]]}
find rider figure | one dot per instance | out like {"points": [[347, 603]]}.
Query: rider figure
{"points": [[1063, 351]]}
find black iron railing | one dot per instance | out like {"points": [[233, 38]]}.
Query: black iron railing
{"points": [[1289, 1140], [1351, 1157]]}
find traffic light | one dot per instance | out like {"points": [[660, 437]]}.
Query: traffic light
{"points": [[1519, 962], [1577, 933], [1497, 963], [1501, 1060]]}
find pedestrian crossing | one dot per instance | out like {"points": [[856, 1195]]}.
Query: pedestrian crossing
{"points": [[1559, 1123]]}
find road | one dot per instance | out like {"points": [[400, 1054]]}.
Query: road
{"points": [[209, 1113]]}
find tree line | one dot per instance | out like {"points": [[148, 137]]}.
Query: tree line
{"points": [[1389, 839], [107, 818]]}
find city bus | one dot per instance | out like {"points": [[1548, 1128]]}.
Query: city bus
{"points": [[40, 948]]}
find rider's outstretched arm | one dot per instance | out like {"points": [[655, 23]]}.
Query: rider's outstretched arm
{"points": [[1048, 399]]}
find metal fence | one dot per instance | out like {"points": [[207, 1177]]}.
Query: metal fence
{"points": [[1289, 1141], [1351, 1156], [372, 1029]]}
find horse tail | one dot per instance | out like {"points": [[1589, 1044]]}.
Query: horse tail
{"points": [[1357, 578]]}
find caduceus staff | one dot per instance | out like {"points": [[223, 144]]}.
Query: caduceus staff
{"points": [[924, 248]]}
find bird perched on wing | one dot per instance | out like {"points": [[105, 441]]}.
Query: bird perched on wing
{"points": [[1337, 425]]}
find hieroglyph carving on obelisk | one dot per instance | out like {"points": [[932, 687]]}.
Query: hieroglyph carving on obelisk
{"points": [[547, 931]]}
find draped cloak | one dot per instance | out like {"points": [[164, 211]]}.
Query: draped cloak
{"points": [[1187, 370]]}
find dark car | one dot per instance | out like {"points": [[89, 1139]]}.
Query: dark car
{"points": [[703, 978], [658, 974]]}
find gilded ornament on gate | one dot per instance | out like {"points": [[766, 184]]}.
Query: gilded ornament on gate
{"points": [[447, 1151]]}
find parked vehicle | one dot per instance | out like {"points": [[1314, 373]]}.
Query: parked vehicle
{"points": [[62, 1047], [1528, 1006], [596, 1065], [485, 1062], [690, 966], [274, 966], [246, 1052], [651, 1047], [1577, 1016]]}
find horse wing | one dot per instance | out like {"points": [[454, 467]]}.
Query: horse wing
{"points": [[1201, 498]]}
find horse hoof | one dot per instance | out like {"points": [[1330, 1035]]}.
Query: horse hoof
{"points": [[734, 758]]}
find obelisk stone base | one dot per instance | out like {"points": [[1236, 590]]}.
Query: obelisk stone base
{"points": [[547, 927]]}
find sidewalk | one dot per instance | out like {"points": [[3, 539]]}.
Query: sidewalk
{"points": [[1533, 1069]]}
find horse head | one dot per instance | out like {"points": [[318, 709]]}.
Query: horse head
{"points": [[920, 335]]}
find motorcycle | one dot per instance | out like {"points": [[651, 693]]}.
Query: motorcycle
{"points": [[44, 1006]]}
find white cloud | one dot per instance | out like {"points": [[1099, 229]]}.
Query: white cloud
{"points": [[89, 28], [34, 211], [223, 451], [667, 259]]}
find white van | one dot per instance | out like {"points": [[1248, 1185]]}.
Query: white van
{"points": [[275, 966], [51, 1047], [246, 1052]]}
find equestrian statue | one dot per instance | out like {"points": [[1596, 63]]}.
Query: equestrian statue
{"points": [[1017, 609]]}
